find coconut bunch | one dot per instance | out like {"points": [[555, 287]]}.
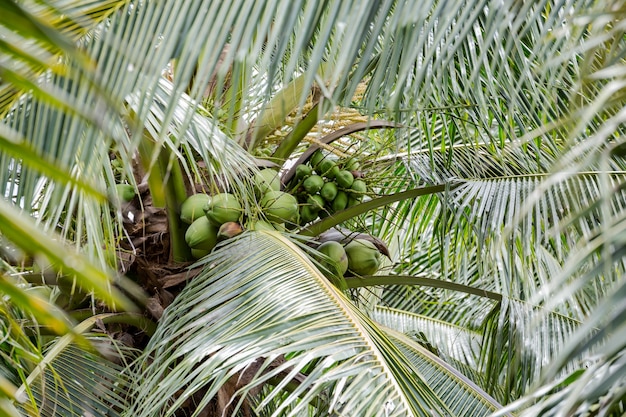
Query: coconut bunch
{"points": [[212, 218], [320, 187], [325, 184], [356, 257]]}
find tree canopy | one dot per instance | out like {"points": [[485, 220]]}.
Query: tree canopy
{"points": [[486, 137]]}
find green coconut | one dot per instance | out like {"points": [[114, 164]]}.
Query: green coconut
{"points": [[344, 179], [358, 187], [329, 191], [125, 192], [201, 234], [199, 253], [308, 213], [303, 171], [340, 202], [316, 201], [266, 180], [316, 158], [313, 184], [260, 225], [193, 207], [222, 208], [280, 207], [352, 201], [351, 164], [363, 257], [328, 168], [336, 253]]}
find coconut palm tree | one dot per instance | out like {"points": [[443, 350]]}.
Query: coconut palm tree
{"points": [[488, 139]]}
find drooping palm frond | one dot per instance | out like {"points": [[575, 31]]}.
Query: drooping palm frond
{"points": [[485, 211], [467, 73], [593, 270], [27, 161], [480, 65], [465, 243], [73, 381], [447, 380], [274, 311], [68, 261], [18, 353], [451, 341], [226, 163], [46, 35], [575, 216]]}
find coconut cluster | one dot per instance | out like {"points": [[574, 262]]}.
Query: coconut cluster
{"points": [[320, 187], [325, 185], [357, 257], [212, 218]]}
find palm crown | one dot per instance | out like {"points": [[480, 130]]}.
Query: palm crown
{"points": [[487, 136]]}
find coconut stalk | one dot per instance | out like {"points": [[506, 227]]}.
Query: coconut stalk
{"points": [[275, 112], [339, 217], [300, 130], [167, 188]]}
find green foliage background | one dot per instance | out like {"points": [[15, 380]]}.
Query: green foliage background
{"points": [[504, 291]]}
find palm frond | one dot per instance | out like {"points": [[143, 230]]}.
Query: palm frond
{"points": [[226, 163], [449, 382], [236, 313], [451, 341], [23, 231], [46, 34], [75, 381]]}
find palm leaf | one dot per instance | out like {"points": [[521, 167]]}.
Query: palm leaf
{"points": [[241, 318], [450, 384], [23, 231], [226, 163], [75, 381], [452, 341]]}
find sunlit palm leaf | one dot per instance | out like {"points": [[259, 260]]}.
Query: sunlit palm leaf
{"points": [[54, 28], [449, 383], [453, 341], [247, 288], [226, 162], [24, 232]]}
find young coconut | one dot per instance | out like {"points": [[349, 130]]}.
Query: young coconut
{"points": [[344, 179], [201, 234], [303, 171], [280, 207], [193, 207], [363, 257], [308, 213], [358, 186], [329, 191], [125, 192], [316, 158], [340, 202], [337, 255], [328, 168], [260, 225], [266, 180], [222, 208], [313, 184], [199, 253], [351, 164], [316, 201]]}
